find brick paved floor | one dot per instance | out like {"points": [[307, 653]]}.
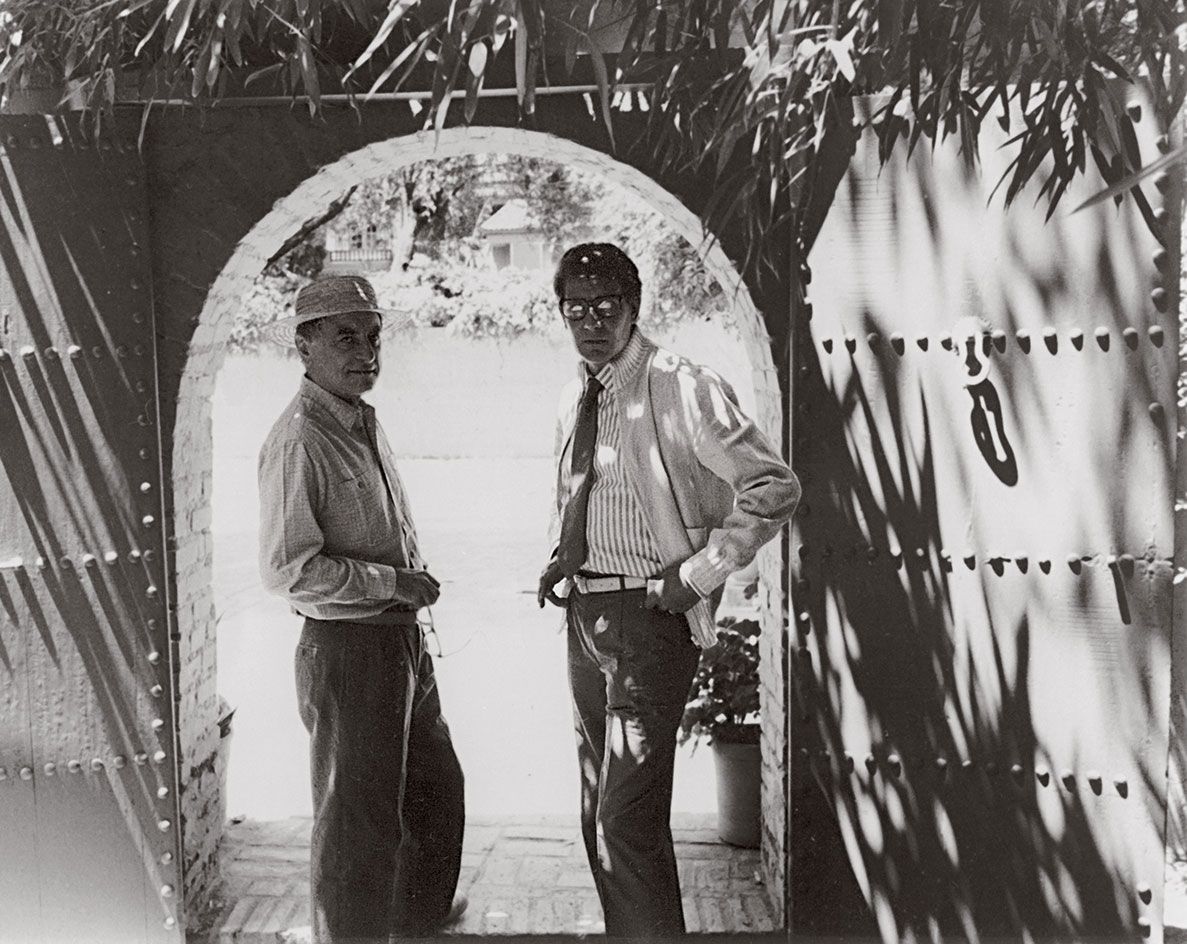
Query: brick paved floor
{"points": [[523, 876]]}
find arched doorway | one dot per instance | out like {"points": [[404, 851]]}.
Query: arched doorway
{"points": [[192, 453]]}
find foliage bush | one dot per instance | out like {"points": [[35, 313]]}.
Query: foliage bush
{"points": [[271, 298], [723, 701], [469, 298]]}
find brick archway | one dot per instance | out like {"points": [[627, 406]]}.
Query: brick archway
{"points": [[192, 450]]}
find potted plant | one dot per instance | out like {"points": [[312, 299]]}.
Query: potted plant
{"points": [[723, 710]]}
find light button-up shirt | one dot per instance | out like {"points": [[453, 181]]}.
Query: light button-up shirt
{"points": [[331, 535], [618, 539]]}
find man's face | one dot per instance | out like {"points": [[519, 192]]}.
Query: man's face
{"points": [[600, 338], [342, 356]]}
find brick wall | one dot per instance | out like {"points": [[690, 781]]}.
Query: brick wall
{"points": [[226, 189]]}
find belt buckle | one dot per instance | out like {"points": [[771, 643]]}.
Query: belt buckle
{"points": [[605, 583], [585, 584]]}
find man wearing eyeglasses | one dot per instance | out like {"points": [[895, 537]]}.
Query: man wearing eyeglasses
{"points": [[337, 542], [664, 488]]}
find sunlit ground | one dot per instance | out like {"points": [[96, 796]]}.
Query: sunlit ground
{"points": [[482, 522]]}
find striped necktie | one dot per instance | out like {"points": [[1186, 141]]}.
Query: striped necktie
{"points": [[573, 548]]}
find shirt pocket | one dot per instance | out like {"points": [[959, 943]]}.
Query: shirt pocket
{"points": [[348, 518]]}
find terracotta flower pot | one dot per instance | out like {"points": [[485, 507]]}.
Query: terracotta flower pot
{"points": [[739, 779]]}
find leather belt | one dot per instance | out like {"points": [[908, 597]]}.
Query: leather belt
{"points": [[608, 584], [389, 616], [392, 616]]}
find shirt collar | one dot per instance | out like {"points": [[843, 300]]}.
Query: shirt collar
{"points": [[350, 415], [614, 373]]}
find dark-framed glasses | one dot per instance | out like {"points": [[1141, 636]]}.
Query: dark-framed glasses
{"points": [[604, 307]]}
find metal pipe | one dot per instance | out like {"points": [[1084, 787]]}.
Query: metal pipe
{"points": [[337, 98]]}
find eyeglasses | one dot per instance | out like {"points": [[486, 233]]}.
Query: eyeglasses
{"points": [[424, 619], [604, 307]]}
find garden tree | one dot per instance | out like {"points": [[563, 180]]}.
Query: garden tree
{"points": [[754, 94], [436, 203], [561, 202], [426, 201], [676, 282]]}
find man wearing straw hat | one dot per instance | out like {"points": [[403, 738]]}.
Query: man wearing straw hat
{"points": [[338, 543], [664, 488]]}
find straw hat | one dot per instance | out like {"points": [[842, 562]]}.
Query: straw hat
{"points": [[335, 295]]}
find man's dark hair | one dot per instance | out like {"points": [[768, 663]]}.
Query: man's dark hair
{"points": [[308, 329], [600, 260]]}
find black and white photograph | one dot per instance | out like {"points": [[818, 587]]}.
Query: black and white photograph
{"points": [[535, 471]]}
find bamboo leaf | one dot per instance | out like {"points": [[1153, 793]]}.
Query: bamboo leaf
{"points": [[414, 51], [968, 135], [749, 30], [216, 50], [477, 59], [521, 62], [473, 86], [726, 146], [1055, 133], [309, 74], [263, 72], [914, 66], [147, 36], [842, 50], [440, 111], [1129, 140], [1104, 60], [234, 51], [1113, 133], [178, 23], [570, 42], [396, 11], [603, 82], [1056, 196], [200, 68], [1175, 156]]}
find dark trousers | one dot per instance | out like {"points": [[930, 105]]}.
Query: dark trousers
{"points": [[388, 805], [630, 669]]}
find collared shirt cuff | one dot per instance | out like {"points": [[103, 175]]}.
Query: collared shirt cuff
{"points": [[703, 574], [380, 581], [690, 581]]}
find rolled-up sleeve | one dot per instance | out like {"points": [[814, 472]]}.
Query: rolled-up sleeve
{"points": [[293, 563], [733, 448]]}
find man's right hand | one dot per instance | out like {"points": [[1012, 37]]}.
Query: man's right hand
{"points": [[549, 578], [416, 588]]}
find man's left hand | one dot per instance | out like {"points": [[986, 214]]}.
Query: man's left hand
{"points": [[669, 593]]}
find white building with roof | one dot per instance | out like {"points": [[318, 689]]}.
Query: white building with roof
{"points": [[513, 237]]}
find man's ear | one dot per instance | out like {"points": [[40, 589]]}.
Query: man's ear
{"points": [[302, 346]]}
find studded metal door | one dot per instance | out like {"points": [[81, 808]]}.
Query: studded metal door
{"points": [[88, 785], [985, 424]]}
